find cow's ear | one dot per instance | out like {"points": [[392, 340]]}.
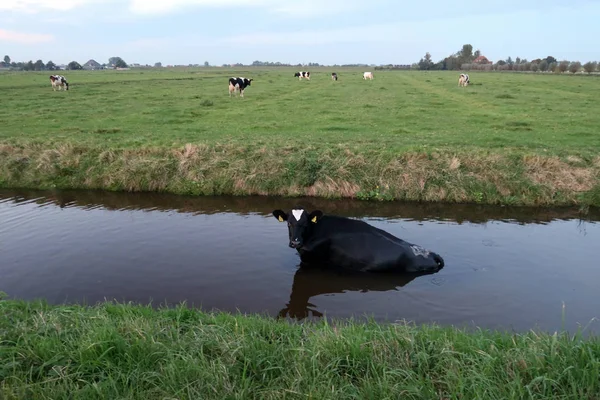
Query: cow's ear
{"points": [[280, 215], [315, 216]]}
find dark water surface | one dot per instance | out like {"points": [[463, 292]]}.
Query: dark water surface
{"points": [[506, 268]]}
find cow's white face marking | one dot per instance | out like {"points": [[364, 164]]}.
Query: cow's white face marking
{"points": [[297, 214], [419, 251]]}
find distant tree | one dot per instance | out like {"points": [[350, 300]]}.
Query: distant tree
{"points": [[518, 60], [563, 66], [451, 63], [158, 65], [38, 65], [543, 66], [117, 62], [501, 62], [553, 67], [534, 67], [73, 65], [28, 66], [467, 52], [206, 64], [589, 67], [477, 53], [7, 60], [426, 63], [50, 66], [509, 61], [551, 60], [574, 67]]}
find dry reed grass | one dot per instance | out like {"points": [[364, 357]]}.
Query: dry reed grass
{"points": [[336, 172]]}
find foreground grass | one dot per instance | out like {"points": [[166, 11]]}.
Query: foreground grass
{"points": [[115, 351], [508, 139]]}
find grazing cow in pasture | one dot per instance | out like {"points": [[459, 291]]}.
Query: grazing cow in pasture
{"points": [[59, 81], [368, 75], [334, 76], [463, 80], [339, 242], [302, 74], [238, 84]]}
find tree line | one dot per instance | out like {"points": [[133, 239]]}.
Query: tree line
{"points": [[467, 60], [39, 65]]}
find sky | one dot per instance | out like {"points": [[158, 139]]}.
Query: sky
{"points": [[323, 31]]}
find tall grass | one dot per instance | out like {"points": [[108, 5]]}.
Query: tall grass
{"points": [[332, 172], [510, 139], [118, 351]]}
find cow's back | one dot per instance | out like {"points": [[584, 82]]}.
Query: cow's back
{"points": [[354, 244]]}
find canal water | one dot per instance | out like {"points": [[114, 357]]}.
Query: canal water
{"points": [[506, 268]]}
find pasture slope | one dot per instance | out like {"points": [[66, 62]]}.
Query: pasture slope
{"points": [[113, 351], [529, 139]]}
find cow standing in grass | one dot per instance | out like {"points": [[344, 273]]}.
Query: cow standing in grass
{"points": [[302, 74], [238, 84], [463, 80], [334, 76], [368, 75], [59, 81]]}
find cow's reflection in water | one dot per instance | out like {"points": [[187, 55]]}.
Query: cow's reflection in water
{"points": [[314, 281]]}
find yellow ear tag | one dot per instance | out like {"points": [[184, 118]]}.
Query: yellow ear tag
{"points": [[280, 219], [314, 220]]}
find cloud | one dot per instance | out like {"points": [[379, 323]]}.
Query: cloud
{"points": [[24, 38], [305, 8], [360, 34], [32, 6], [149, 7]]}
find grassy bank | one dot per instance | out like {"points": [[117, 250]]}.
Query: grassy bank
{"points": [[123, 351], [508, 139]]}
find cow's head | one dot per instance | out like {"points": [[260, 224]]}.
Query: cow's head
{"points": [[300, 224], [248, 82], [297, 74]]}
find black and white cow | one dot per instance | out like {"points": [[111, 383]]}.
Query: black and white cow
{"points": [[59, 81], [302, 74], [238, 84], [463, 80], [339, 242], [334, 76]]}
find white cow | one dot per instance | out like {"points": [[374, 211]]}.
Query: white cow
{"points": [[368, 75], [463, 80]]}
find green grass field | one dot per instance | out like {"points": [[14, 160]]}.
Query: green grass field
{"points": [[513, 138], [130, 352], [395, 111]]}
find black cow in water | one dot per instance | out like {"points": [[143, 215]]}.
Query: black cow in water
{"points": [[238, 84], [346, 243]]}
